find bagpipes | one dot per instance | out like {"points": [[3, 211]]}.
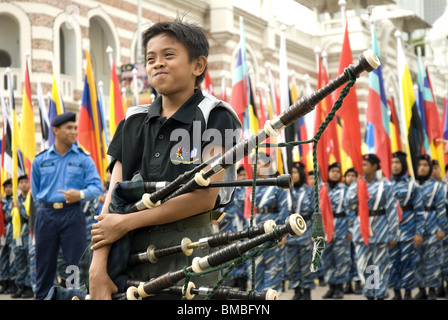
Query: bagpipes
{"points": [[139, 195]]}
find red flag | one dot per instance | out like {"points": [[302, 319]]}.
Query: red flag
{"points": [[351, 136], [327, 212], [363, 210], [208, 85]]}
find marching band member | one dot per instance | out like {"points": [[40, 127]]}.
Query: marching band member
{"points": [[430, 253], [336, 256], [299, 250], [272, 203], [403, 255], [373, 258]]}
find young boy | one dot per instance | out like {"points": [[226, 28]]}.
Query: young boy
{"points": [[147, 143]]}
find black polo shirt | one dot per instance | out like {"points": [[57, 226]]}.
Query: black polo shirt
{"points": [[161, 149]]}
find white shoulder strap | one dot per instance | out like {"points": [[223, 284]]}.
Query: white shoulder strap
{"points": [[137, 109], [408, 195], [378, 196], [433, 194]]}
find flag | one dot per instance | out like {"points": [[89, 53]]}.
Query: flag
{"points": [[6, 142], [208, 85], [412, 125], [378, 121], [55, 107], [240, 90], [26, 135], [445, 122], [116, 107], [15, 213], [395, 137], [43, 115], [89, 134], [433, 128], [328, 146], [348, 113], [308, 131], [351, 135], [104, 140], [274, 110]]}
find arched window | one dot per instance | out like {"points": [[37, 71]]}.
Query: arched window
{"points": [[10, 41], [100, 38]]}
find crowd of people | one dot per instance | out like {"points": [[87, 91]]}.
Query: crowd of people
{"points": [[406, 247]]}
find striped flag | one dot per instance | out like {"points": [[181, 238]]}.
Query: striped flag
{"points": [[55, 107], [89, 124], [432, 119], [378, 121], [395, 136], [27, 141], [239, 98], [43, 115], [412, 125], [116, 107], [15, 159], [6, 142]]}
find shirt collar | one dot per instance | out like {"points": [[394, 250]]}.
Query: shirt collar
{"points": [[184, 114], [73, 148]]}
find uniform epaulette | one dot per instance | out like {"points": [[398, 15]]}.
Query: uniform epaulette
{"points": [[84, 150], [41, 152]]}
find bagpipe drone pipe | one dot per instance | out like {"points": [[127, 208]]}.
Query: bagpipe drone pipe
{"points": [[127, 196]]}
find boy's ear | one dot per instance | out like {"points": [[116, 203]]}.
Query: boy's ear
{"points": [[201, 64]]}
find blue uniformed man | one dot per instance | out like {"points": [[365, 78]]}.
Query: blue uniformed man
{"points": [[336, 257], [430, 253], [299, 250], [7, 270], [373, 259], [20, 245], [272, 203], [403, 255], [61, 177]]}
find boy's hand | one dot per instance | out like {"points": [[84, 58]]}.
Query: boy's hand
{"points": [[108, 229]]}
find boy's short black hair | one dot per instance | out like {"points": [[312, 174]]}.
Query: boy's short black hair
{"points": [[190, 35]]}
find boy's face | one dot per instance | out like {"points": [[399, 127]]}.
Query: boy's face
{"points": [[8, 189], [423, 168], [168, 66], [24, 185], [350, 178], [396, 166], [334, 174]]}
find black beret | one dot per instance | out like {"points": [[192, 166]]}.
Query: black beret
{"points": [[398, 154], [372, 158], [60, 119], [334, 165], [7, 182], [351, 170]]}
